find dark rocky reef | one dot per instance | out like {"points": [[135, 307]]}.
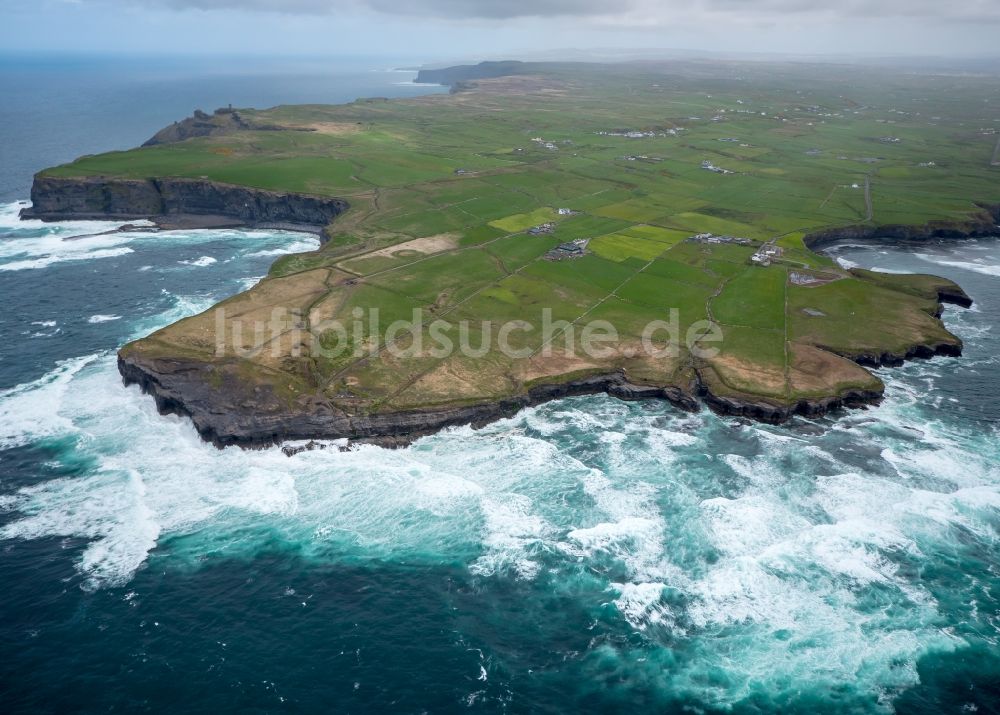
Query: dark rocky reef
{"points": [[98, 198]]}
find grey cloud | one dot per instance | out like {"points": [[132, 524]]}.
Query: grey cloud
{"points": [[494, 8], [453, 9], [641, 11]]}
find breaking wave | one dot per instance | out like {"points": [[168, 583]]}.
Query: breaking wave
{"points": [[976, 266], [32, 245], [77, 253], [202, 262], [296, 247], [768, 548]]}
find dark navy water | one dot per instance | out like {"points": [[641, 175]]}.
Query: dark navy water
{"points": [[588, 555]]}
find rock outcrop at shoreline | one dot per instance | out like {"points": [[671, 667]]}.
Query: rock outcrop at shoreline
{"points": [[97, 198]]}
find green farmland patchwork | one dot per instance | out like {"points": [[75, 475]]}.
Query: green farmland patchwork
{"points": [[635, 160], [520, 222]]}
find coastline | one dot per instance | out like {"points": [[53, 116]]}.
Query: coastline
{"points": [[232, 415], [250, 421], [252, 430]]}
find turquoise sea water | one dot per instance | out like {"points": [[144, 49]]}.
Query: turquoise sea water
{"points": [[588, 555]]}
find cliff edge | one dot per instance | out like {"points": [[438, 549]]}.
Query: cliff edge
{"points": [[99, 198]]}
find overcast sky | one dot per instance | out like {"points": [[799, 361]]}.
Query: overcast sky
{"points": [[429, 30]]}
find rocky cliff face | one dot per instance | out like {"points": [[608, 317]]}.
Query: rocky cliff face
{"points": [[228, 411], [983, 223], [60, 199]]}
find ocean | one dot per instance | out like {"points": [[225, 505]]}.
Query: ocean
{"points": [[57, 108], [587, 555]]}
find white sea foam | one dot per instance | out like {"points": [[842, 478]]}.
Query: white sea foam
{"points": [[302, 246], [248, 283], [510, 530], [445, 493], [34, 244], [71, 255], [11, 223], [750, 525], [511, 506], [976, 266], [202, 262], [94, 319], [890, 271], [33, 411], [641, 604], [379, 501], [108, 508], [795, 564]]}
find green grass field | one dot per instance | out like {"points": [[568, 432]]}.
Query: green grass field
{"points": [[460, 179]]}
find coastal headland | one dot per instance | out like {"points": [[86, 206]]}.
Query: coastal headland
{"points": [[652, 231]]}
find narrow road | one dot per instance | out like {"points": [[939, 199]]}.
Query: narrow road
{"points": [[868, 198], [788, 368], [828, 196]]}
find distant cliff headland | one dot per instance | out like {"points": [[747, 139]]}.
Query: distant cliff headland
{"points": [[450, 76]]}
